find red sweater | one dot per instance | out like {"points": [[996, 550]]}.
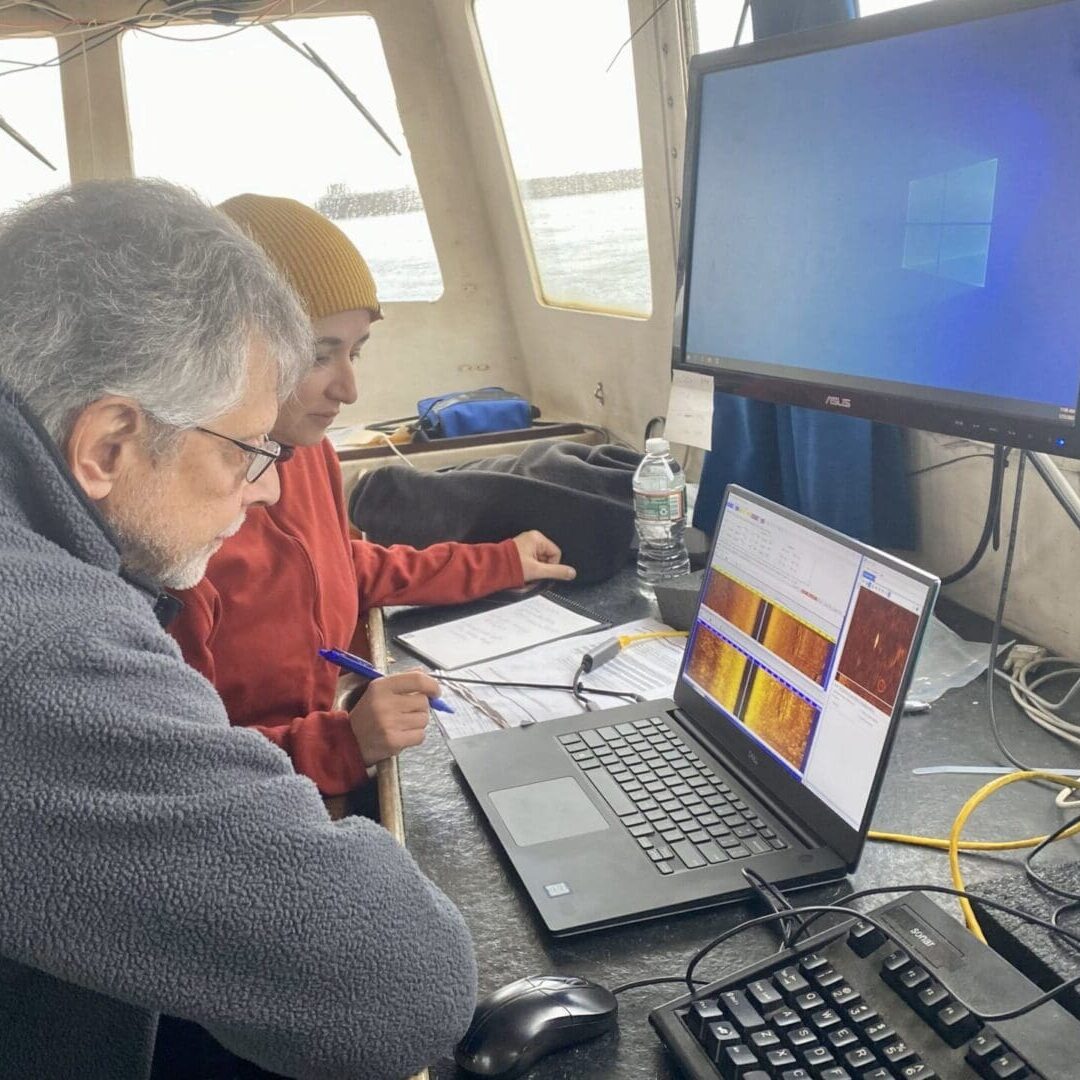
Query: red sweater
{"points": [[292, 581]]}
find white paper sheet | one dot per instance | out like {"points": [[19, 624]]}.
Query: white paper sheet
{"points": [[690, 409], [493, 633], [648, 668]]}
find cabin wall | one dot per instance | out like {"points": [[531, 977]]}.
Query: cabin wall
{"points": [[1044, 592]]}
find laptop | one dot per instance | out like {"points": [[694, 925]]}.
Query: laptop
{"points": [[769, 757]]}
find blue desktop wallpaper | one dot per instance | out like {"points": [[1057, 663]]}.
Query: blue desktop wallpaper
{"points": [[906, 209]]}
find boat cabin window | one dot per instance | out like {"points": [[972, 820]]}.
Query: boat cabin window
{"points": [[32, 107], [571, 130], [718, 24], [227, 111]]}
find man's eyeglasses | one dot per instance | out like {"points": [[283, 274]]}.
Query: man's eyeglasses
{"points": [[262, 457]]}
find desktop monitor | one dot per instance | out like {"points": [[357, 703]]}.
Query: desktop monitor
{"points": [[882, 218]]}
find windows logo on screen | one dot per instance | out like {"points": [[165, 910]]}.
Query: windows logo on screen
{"points": [[949, 215]]}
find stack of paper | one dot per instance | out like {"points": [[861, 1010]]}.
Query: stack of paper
{"points": [[647, 668], [511, 628]]}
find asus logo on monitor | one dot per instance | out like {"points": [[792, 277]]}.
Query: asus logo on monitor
{"points": [[838, 402]]}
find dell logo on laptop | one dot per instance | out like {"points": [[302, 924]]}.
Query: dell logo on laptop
{"points": [[752, 758]]}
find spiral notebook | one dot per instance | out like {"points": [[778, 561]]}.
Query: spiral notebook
{"points": [[510, 628]]}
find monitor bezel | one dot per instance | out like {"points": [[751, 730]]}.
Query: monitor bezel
{"points": [[757, 765], [834, 394]]}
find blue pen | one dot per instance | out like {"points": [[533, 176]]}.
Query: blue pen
{"points": [[360, 666]]}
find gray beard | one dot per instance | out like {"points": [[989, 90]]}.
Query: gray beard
{"points": [[148, 560], [142, 553], [140, 518]]}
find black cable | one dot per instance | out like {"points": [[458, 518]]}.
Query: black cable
{"points": [[652, 423], [775, 900], [822, 909], [1010, 1014], [1072, 899], [948, 890], [816, 911], [999, 616], [992, 520], [543, 686], [653, 982], [578, 690], [951, 461]]}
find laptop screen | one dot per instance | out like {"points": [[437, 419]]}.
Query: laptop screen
{"points": [[802, 642]]}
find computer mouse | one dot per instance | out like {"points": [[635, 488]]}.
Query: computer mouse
{"points": [[516, 1025]]}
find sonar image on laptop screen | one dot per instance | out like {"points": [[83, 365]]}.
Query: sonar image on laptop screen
{"points": [[803, 641]]}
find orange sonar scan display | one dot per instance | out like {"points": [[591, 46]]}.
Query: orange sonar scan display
{"points": [[772, 709], [877, 648], [801, 646]]}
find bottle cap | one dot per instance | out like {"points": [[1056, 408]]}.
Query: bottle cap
{"points": [[656, 446]]}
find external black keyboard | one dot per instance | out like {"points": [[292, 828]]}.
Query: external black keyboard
{"points": [[853, 1004], [681, 813]]}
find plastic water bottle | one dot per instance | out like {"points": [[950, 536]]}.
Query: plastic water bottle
{"points": [[660, 514]]}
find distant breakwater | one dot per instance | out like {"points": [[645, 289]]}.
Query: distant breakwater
{"points": [[340, 202]]}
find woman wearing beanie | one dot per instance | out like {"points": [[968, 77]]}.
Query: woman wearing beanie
{"points": [[292, 580]]}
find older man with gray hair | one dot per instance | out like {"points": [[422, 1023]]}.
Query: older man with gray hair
{"points": [[153, 859]]}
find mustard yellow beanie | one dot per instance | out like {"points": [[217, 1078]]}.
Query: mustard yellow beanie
{"points": [[320, 261]]}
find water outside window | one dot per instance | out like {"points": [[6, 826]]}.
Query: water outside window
{"points": [[571, 127], [30, 103], [226, 112]]}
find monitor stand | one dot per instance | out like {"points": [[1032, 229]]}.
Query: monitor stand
{"points": [[1055, 480]]}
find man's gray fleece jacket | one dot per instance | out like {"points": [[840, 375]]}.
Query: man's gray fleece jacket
{"points": [[154, 859]]}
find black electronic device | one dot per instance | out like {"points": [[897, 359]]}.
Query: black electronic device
{"points": [[854, 1002], [769, 755], [516, 1025], [881, 218]]}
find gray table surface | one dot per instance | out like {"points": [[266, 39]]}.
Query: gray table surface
{"points": [[448, 836]]}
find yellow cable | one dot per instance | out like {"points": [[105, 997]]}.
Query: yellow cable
{"points": [[965, 812], [954, 845], [631, 639], [941, 844]]}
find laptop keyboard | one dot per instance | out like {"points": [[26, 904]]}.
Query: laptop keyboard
{"points": [[682, 815]]}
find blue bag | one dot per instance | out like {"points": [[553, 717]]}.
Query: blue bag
{"points": [[473, 412]]}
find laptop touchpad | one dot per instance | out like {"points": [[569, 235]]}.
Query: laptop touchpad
{"points": [[549, 810]]}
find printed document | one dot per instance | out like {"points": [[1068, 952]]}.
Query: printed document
{"points": [[501, 630], [646, 668]]}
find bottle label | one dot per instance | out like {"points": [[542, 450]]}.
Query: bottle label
{"points": [[659, 505]]}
